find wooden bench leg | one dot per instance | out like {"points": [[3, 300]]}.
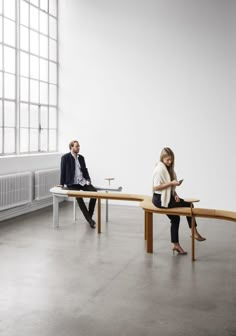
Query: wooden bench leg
{"points": [[193, 239], [149, 232], [145, 224], [99, 215], [193, 229]]}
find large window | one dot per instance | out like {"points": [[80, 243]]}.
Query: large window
{"points": [[28, 76]]}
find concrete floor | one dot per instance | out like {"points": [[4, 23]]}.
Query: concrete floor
{"points": [[74, 282]]}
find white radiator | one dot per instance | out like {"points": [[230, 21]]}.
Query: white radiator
{"points": [[44, 181], [15, 190]]}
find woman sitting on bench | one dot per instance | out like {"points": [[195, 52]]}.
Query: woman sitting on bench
{"points": [[165, 196]]}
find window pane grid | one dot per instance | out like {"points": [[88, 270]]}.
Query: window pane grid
{"points": [[28, 38], [38, 31], [51, 12], [8, 78], [37, 55]]}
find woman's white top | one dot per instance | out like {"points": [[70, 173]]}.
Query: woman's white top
{"points": [[161, 176]]}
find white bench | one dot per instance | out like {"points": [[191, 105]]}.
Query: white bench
{"points": [[62, 193]]}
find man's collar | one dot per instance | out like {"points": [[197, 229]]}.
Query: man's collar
{"points": [[74, 155]]}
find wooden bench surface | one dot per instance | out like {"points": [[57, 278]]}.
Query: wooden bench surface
{"points": [[98, 194], [104, 195], [147, 205]]}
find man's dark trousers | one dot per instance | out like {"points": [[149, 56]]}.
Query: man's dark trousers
{"points": [[88, 213]]}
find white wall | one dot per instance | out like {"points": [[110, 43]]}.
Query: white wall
{"points": [[16, 164], [138, 75]]}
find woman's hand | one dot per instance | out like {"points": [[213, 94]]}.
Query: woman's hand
{"points": [[175, 183], [177, 199], [166, 185]]}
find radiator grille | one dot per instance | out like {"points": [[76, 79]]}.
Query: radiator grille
{"points": [[44, 181], [15, 190]]}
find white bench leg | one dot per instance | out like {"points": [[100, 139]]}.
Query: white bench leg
{"points": [[74, 209], [55, 211], [106, 210]]}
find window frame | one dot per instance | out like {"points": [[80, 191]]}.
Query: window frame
{"points": [[41, 83]]}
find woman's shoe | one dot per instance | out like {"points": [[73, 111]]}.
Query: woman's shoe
{"points": [[179, 250], [199, 238]]}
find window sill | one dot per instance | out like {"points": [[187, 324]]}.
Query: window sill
{"points": [[29, 155]]}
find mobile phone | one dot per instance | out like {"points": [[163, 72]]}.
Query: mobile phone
{"points": [[180, 181]]}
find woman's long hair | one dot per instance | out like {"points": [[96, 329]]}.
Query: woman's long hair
{"points": [[168, 152]]}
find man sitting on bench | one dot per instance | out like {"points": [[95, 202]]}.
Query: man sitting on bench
{"points": [[75, 175]]}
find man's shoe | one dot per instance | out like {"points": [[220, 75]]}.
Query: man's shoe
{"points": [[92, 223]]}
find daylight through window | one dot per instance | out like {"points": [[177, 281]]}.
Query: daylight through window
{"points": [[28, 76]]}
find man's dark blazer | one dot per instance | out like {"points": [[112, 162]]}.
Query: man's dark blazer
{"points": [[68, 169]]}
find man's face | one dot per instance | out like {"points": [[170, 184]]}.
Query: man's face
{"points": [[76, 148]]}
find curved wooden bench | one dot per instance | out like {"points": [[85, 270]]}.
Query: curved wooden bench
{"points": [[148, 207]]}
